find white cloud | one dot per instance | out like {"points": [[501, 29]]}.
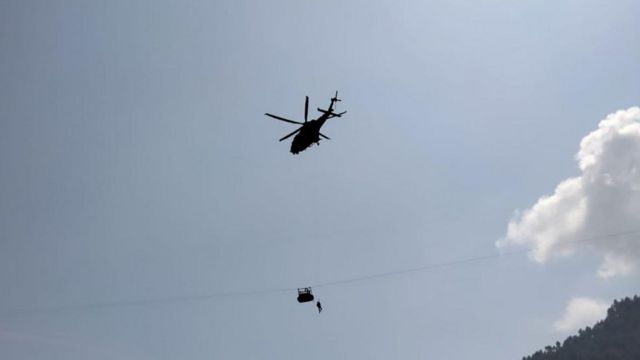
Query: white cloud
{"points": [[615, 265], [603, 200], [581, 312]]}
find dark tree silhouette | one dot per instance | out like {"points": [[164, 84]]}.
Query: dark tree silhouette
{"points": [[615, 338]]}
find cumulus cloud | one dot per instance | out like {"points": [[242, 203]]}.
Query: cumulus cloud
{"points": [[603, 200], [581, 312]]}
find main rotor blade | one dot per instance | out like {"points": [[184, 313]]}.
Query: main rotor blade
{"points": [[306, 108], [325, 136], [288, 136], [332, 113], [283, 119]]}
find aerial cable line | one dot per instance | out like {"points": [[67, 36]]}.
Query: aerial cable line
{"points": [[463, 261], [144, 301], [418, 269], [187, 298]]}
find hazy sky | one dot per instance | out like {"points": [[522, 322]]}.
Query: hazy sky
{"points": [[136, 163]]}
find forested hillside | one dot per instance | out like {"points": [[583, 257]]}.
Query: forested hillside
{"points": [[615, 338]]}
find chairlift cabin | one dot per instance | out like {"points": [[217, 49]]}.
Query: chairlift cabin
{"points": [[305, 295]]}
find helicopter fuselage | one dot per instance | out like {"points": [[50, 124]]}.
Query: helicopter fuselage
{"points": [[308, 135]]}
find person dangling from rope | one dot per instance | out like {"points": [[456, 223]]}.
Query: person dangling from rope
{"points": [[319, 306]]}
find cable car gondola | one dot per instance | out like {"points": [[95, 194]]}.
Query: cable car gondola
{"points": [[305, 295]]}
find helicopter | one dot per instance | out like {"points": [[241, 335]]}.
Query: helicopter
{"points": [[309, 132]]}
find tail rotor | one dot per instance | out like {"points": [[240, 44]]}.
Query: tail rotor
{"points": [[335, 98]]}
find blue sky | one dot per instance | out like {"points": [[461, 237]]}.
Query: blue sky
{"points": [[136, 163]]}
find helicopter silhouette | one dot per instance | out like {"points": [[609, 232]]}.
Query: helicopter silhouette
{"points": [[309, 133]]}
